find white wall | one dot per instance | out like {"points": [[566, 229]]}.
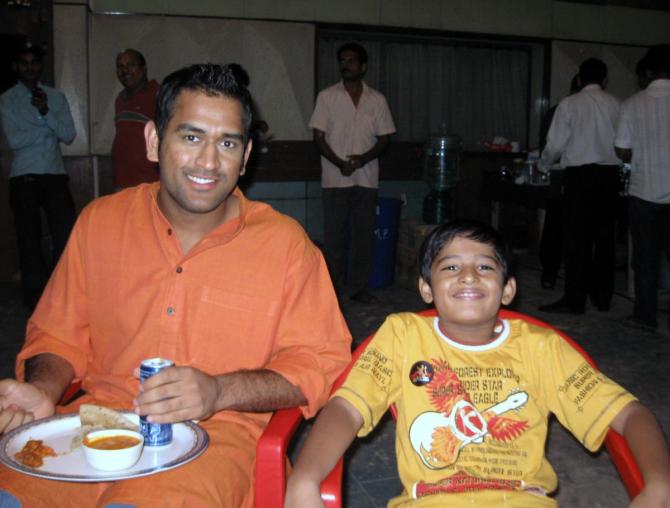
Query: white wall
{"points": [[536, 18], [274, 54], [71, 69], [279, 55], [620, 61]]}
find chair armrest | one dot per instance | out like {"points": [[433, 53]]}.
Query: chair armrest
{"points": [[270, 474], [331, 487], [624, 462], [70, 393], [271, 464]]}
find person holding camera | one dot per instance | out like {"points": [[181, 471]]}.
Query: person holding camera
{"points": [[35, 120]]}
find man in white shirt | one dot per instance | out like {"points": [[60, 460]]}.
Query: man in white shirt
{"points": [[551, 243], [582, 136], [352, 127], [643, 138]]}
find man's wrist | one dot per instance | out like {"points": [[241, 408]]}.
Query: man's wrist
{"points": [[221, 392]]}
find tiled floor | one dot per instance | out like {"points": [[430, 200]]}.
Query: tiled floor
{"points": [[636, 358]]}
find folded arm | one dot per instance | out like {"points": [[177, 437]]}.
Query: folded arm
{"points": [[328, 153], [360, 160], [61, 122], [17, 133]]}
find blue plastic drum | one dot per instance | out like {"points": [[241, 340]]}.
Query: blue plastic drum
{"points": [[385, 241]]}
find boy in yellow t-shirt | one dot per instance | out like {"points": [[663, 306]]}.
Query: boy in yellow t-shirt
{"points": [[474, 393]]}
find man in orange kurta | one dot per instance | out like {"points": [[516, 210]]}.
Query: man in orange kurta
{"points": [[189, 269]]}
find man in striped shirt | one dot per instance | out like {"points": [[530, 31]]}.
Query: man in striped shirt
{"points": [[134, 107]]}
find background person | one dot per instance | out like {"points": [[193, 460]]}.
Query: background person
{"points": [[643, 139], [36, 119], [553, 229], [352, 127], [641, 74], [134, 107], [188, 279], [582, 136]]}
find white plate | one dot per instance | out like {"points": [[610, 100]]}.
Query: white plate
{"points": [[189, 441]]}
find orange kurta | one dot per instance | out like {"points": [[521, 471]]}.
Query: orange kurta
{"points": [[254, 293]]}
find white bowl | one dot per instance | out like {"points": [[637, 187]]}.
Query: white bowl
{"points": [[112, 460]]}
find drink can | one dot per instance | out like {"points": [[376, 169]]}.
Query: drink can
{"points": [[155, 434]]}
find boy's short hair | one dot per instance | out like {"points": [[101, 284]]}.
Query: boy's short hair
{"points": [[470, 229]]}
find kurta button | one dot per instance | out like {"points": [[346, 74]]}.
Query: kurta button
{"points": [[169, 231], [179, 269], [171, 311]]}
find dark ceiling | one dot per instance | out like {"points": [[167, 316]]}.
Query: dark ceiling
{"points": [[661, 5]]}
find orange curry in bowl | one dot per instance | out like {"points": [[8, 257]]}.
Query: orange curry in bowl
{"points": [[112, 442]]}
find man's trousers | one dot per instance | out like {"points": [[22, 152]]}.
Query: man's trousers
{"points": [[28, 196]]}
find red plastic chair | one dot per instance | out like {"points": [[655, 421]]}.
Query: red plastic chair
{"points": [[615, 443]]}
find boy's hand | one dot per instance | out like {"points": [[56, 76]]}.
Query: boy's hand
{"points": [[302, 493], [655, 494], [647, 443]]}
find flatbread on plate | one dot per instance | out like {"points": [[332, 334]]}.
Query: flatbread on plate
{"points": [[94, 417]]}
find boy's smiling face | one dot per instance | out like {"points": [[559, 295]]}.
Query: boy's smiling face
{"points": [[467, 288]]}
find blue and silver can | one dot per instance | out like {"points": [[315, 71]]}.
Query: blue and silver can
{"points": [[155, 434]]}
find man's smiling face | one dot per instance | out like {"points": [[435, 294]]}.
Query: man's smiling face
{"points": [[202, 154], [131, 72], [351, 68]]}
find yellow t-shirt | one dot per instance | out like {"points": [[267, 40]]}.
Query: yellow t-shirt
{"points": [[472, 420]]}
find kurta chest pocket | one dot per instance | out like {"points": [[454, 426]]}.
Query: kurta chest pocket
{"points": [[232, 331]]}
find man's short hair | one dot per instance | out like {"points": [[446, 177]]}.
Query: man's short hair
{"points": [[641, 67], [136, 54], [211, 79], [574, 84], [241, 74], [658, 59], [356, 48], [592, 70], [30, 49], [470, 229]]}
